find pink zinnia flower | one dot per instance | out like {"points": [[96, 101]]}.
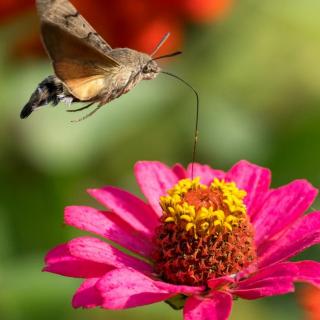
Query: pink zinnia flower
{"points": [[198, 243]]}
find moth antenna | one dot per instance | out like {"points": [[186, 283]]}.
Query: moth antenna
{"points": [[162, 41], [88, 115], [173, 54], [196, 130]]}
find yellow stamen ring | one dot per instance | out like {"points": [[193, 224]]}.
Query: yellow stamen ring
{"points": [[226, 211]]}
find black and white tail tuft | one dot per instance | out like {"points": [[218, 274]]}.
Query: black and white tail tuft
{"points": [[50, 90]]}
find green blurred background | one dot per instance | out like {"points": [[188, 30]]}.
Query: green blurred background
{"points": [[258, 75]]}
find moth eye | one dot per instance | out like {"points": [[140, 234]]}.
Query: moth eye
{"points": [[145, 69]]}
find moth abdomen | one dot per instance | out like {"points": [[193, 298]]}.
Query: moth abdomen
{"points": [[50, 90]]}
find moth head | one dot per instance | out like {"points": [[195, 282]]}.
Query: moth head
{"points": [[150, 70]]}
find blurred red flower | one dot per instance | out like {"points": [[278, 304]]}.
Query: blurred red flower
{"points": [[310, 300], [125, 23], [10, 8]]}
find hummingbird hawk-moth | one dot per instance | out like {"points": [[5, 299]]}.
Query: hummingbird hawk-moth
{"points": [[86, 68]]}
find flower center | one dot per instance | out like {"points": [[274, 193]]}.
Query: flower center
{"points": [[204, 233]]}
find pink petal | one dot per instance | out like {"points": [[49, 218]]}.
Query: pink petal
{"points": [[127, 288], [220, 282], [253, 179], [304, 271], [110, 226], [304, 233], [278, 279], [60, 261], [308, 271], [282, 207], [173, 288], [154, 179], [266, 288], [279, 270], [215, 307], [179, 171], [93, 249], [87, 296], [274, 280], [128, 207], [206, 173]]}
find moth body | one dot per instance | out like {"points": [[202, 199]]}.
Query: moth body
{"points": [[140, 64], [133, 67], [86, 68]]}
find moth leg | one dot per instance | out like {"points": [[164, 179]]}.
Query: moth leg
{"points": [[80, 109], [89, 114]]}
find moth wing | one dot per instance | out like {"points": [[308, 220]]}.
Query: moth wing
{"points": [[63, 45], [63, 14], [82, 68], [84, 81]]}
